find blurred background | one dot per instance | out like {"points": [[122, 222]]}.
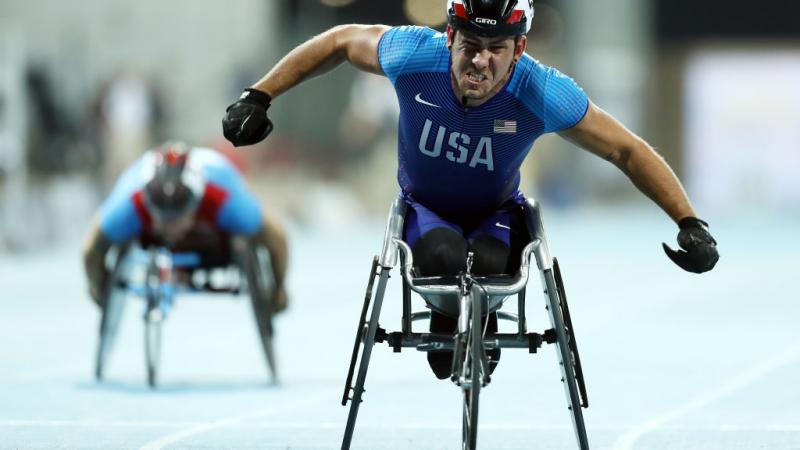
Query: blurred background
{"points": [[87, 86], [672, 360]]}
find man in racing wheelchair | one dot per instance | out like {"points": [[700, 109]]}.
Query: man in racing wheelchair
{"points": [[472, 103], [187, 200]]}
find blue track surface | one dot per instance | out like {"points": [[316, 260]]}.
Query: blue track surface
{"points": [[672, 360]]}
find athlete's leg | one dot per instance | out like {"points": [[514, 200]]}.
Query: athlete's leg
{"points": [[438, 246], [497, 244], [439, 249], [491, 255]]}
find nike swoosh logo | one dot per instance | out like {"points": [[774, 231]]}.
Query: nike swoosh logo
{"points": [[503, 226], [419, 99]]}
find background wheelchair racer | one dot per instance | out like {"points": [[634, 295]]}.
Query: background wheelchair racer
{"points": [[472, 103], [187, 200]]}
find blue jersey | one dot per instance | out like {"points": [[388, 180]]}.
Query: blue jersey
{"points": [[463, 161], [226, 202]]}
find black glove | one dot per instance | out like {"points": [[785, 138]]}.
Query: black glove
{"points": [[246, 121], [700, 253]]}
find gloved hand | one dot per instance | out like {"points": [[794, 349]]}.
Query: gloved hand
{"points": [[246, 121], [700, 253]]}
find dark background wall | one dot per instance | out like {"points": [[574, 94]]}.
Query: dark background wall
{"points": [[690, 19]]}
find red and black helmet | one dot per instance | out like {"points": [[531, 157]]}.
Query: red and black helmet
{"points": [[176, 187], [491, 18]]}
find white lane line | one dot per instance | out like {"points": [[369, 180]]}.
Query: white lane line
{"points": [[93, 423], [11, 423], [626, 440], [171, 438]]}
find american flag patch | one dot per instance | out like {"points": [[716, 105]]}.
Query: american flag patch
{"points": [[505, 126]]}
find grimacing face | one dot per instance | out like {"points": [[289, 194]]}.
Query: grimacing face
{"points": [[480, 66]]}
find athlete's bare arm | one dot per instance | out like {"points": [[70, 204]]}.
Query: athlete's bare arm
{"points": [[357, 44], [601, 134], [94, 256], [273, 237]]}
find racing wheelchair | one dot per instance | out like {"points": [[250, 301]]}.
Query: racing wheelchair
{"points": [[156, 274], [470, 299]]}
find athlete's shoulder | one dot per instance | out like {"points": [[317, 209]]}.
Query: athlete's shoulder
{"points": [[217, 169], [548, 93], [529, 79], [133, 178], [412, 49], [119, 219], [203, 156], [533, 66], [409, 33]]}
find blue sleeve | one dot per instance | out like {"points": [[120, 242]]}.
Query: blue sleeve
{"points": [[118, 219], [241, 211], [410, 49], [565, 103]]}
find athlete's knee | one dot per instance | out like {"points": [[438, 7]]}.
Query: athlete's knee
{"points": [[441, 251], [491, 255]]}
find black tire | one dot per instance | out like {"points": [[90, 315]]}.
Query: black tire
{"points": [[152, 321], [257, 285], [471, 394], [470, 414], [113, 306], [573, 343], [152, 344]]}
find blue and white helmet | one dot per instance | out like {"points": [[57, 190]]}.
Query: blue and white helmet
{"points": [[491, 18]]}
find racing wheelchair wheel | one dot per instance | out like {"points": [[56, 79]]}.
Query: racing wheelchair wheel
{"points": [[113, 305], [152, 342], [153, 319], [260, 298], [573, 344], [473, 379]]}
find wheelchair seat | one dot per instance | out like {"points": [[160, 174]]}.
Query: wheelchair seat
{"points": [[448, 304], [212, 246], [496, 280]]}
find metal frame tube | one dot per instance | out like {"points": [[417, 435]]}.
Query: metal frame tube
{"points": [[393, 245], [394, 230], [444, 342], [565, 359], [517, 284], [369, 342]]}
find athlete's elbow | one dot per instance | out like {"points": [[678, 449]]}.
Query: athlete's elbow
{"points": [[620, 157], [343, 36]]}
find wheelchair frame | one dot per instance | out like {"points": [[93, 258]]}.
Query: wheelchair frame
{"points": [[475, 292], [158, 289]]}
